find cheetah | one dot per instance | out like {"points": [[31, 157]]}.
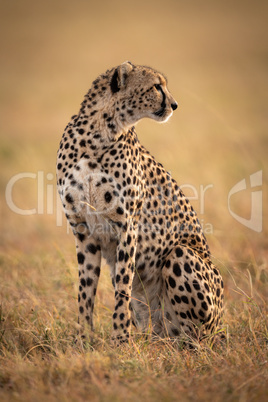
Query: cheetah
{"points": [[123, 205]]}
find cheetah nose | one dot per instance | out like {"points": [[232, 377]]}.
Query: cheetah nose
{"points": [[174, 106]]}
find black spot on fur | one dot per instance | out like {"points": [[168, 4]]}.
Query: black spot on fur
{"points": [[97, 271], [177, 299], [176, 269], [188, 287], [83, 282], [121, 255], [108, 197], [200, 296], [69, 198], [126, 279], [80, 258], [179, 252], [91, 248], [184, 299], [120, 211], [187, 268], [81, 237], [172, 283]]}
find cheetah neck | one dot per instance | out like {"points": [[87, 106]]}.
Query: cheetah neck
{"points": [[97, 127], [96, 133]]}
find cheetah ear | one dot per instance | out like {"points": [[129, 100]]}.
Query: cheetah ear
{"points": [[120, 75]]}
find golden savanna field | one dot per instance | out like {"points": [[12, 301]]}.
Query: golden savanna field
{"points": [[215, 55]]}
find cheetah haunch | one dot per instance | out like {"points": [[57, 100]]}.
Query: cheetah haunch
{"points": [[123, 205]]}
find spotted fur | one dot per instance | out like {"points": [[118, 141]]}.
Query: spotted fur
{"points": [[123, 205]]}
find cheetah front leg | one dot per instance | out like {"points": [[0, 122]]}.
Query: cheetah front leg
{"points": [[123, 278], [89, 262]]}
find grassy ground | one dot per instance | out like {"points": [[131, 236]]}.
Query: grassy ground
{"points": [[39, 359], [215, 57]]}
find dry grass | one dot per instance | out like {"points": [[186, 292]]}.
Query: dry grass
{"points": [[215, 57], [39, 359]]}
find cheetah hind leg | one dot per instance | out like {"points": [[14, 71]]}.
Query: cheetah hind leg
{"points": [[191, 291]]}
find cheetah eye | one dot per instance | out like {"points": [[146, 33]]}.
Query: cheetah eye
{"points": [[158, 87]]}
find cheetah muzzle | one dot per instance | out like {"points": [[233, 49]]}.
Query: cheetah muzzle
{"points": [[123, 205]]}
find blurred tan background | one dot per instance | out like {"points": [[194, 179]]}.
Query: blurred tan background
{"points": [[215, 55]]}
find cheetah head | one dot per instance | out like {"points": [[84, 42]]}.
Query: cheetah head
{"points": [[141, 92]]}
